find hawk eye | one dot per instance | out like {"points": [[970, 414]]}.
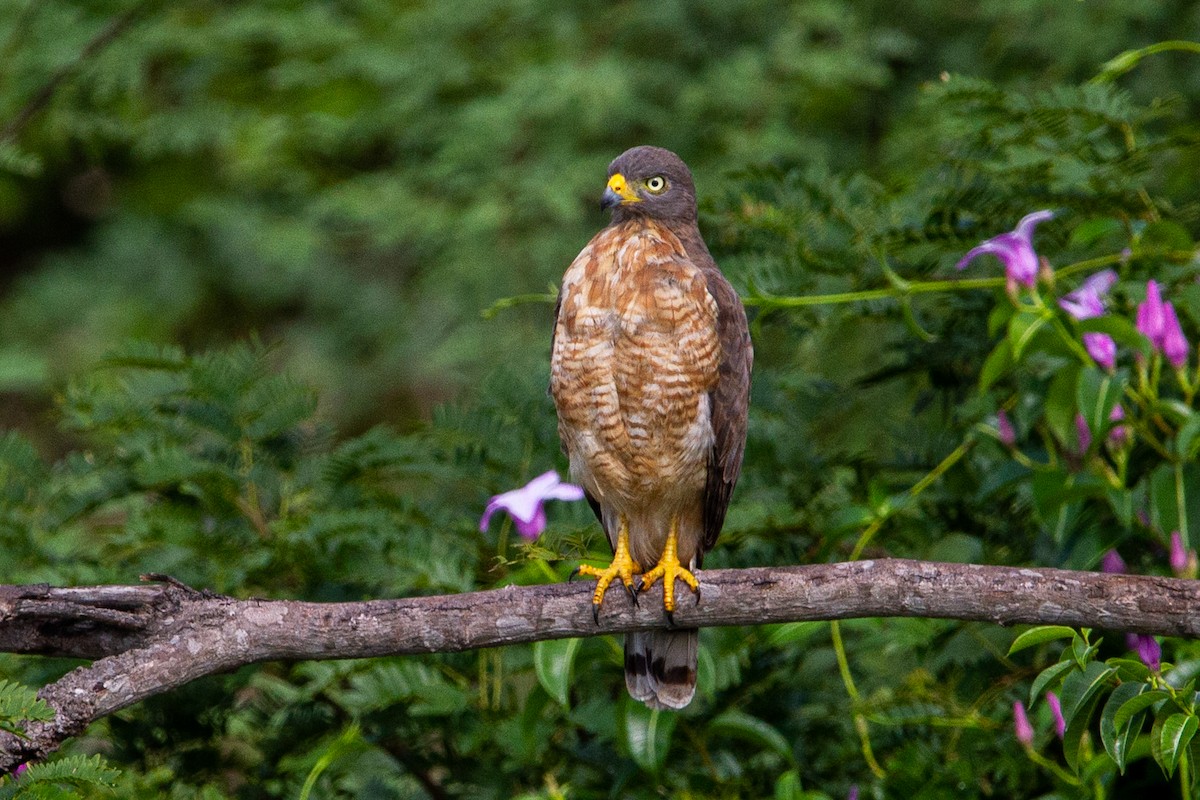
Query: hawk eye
{"points": [[656, 185]]}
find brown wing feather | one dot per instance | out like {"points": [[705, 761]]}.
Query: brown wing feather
{"points": [[731, 396], [730, 404]]}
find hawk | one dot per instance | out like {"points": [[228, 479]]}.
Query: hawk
{"points": [[650, 374]]}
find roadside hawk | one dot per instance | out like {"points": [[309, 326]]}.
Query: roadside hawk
{"points": [[650, 374]]}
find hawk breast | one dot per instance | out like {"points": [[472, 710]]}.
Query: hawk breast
{"points": [[635, 357]]}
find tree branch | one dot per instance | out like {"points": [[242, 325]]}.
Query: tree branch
{"points": [[150, 639]]}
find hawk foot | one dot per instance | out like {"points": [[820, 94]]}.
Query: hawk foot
{"points": [[669, 569], [623, 566]]}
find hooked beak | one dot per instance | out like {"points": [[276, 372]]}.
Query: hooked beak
{"points": [[618, 192]]}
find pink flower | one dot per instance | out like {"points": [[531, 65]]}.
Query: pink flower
{"points": [[1147, 649], [1179, 555], [1087, 301], [1021, 726], [1151, 318], [1158, 322], [1173, 344], [1082, 433], [1118, 435], [1184, 562], [1102, 349], [1112, 563], [524, 505], [1014, 249], [1060, 725], [1004, 428]]}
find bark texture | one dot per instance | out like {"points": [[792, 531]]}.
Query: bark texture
{"points": [[146, 640]]}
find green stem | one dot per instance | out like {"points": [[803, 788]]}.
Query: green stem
{"points": [[900, 288], [1181, 505], [1124, 62], [949, 461], [860, 720], [505, 303], [922, 287], [1058, 771]]}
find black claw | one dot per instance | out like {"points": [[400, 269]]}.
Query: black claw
{"points": [[697, 595], [596, 612], [631, 591], [574, 572], [670, 618]]}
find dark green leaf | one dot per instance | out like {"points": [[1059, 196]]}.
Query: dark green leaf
{"points": [[1022, 328], [1176, 734], [1166, 235], [648, 734], [1047, 677], [1137, 703], [1097, 393], [1060, 403], [740, 725], [1187, 441], [1080, 688], [1040, 635], [998, 362], [1116, 738], [1129, 669], [553, 660]]}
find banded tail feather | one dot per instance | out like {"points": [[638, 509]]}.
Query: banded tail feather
{"points": [[660, 666]]}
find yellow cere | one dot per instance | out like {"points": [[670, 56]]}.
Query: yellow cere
{"points": [[619, 185]]}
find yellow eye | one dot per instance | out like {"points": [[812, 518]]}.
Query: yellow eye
{"points": [[656, 185]]}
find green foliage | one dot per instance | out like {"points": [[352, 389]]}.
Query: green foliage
{"points": [[1130, 697], [72, 778], [355, 181], [19, 705]]}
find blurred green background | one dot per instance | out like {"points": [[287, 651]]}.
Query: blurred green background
{"points": [[302, 211]]}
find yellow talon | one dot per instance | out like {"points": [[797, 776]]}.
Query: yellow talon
{"points": [[669, 569], [623, 566]]}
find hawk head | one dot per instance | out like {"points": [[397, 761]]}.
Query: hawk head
{"points": [[650, 182]]}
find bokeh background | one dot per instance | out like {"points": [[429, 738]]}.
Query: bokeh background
{"points": [[334, 231]]}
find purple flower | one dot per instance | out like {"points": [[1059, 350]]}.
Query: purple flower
{"points": [[20, 768], [1112, 563], [1183, 561], [1004, 428], [1173, 345], [524, 505], [853, 793], [1158, 322], [1118, 435], [1151, 318], [1102, 349], [1014, 249], [1087, 301], [1147, 649], [1021, 726], [1179, 556], [1082, 433], [1060, 725]]}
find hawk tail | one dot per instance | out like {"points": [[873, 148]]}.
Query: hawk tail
{"points": [[660, 666]]}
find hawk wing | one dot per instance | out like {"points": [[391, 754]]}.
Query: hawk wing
{"points": [[730, 403]]}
